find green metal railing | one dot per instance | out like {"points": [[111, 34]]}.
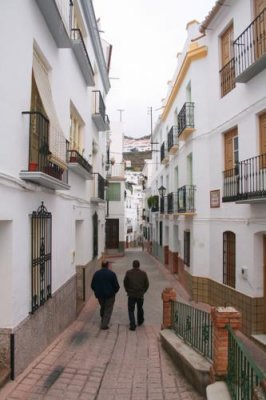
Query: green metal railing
{"points": [[243, 375], [194, 326]]}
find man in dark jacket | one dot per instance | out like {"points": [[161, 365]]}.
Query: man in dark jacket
{"points": [[136, 283], [105, 286]]}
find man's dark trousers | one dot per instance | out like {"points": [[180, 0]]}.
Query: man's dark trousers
{"points": [[132, 301], [106, 310]]}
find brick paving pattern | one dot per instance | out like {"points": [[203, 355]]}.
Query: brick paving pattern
{"points": [[87, 363]]}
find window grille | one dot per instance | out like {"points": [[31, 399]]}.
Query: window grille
{"points": [[187, 248], [229, 258], [41, 259]]}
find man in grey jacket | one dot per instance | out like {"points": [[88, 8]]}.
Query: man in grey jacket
{"points": [[136, 283]]}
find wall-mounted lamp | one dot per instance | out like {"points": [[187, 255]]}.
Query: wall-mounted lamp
{"points": [[162, 191]]}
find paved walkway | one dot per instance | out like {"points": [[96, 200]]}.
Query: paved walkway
{"points": [[87, 363]]}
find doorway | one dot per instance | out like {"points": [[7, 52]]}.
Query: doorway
{"points": [[112, 233]]}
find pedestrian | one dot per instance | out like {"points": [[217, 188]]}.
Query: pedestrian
{"points": [[136, 283], [105, 286]]}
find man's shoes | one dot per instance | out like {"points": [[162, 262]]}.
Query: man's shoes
{"points": [[105, 327], [132, 328], [140, 323]]}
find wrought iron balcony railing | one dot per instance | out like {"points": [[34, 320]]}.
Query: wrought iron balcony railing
{"points": [[250, 49], [41, 160], [75, 158], [180, 202], [227, 77], [164, 154], [247, 181], [172, 140], [99, 117], [186, 199], [186, 119], [82, 56]]}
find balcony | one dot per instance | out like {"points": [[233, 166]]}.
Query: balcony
{"points": [[99, 117], [250, 49], [56, 15], [246, 183], [79, 164], [44, 168], [99, 184], [82, 56], [115, 171], [227, 77], [164, 154], [172, 139], [180, 202], [186, 120]]}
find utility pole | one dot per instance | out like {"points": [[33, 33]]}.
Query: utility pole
{"points": [[150, 113], [120, 112]]}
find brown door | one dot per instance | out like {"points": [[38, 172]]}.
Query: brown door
{"points": [[260, 28], [264, 279], [112, 233]]}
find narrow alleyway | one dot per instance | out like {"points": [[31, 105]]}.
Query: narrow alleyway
{"points": [[90, 364]]}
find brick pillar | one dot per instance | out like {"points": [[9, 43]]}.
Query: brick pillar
{"points": [[222, 316], [168, 295]]}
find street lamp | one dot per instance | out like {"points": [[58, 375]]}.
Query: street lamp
{"points": [[162, 191]]}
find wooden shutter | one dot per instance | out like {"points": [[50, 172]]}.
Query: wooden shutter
{"points": [[229, 161], [259, 28], [259, 6], [262, 123], [227, 43]]}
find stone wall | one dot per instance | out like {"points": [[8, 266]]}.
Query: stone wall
{"points": [[38, 330], [208, 291]]}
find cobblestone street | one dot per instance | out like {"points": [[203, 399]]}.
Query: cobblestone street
{"points": [[87, 363]]}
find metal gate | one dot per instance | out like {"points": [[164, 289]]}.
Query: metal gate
{"points": [[41, 256], [95, 235]]}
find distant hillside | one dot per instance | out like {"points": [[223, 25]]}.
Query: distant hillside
{"points": [[137, 144], [137, 159]]}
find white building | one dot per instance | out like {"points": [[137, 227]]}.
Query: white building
{"points": [[212, 220], [54, 81], [115, 216]]}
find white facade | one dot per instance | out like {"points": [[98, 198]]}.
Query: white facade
{"points": [[66, 82], [115, 222], [205, 208]]}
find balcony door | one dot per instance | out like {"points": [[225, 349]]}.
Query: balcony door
{"points": [[112, 233], [262, 124], [260, 28], [227, 55], [231, 150], [36, 106]]}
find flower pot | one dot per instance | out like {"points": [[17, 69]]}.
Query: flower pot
{"points": [[33, 166]]}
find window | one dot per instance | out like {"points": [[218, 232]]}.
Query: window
{"points": [[41, 262], [229, 256], [187, 248], [227, 72], [231, 154], [113, 192], [76, 134]]}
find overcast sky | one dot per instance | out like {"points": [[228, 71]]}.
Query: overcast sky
{"points": [[146, 36]]}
